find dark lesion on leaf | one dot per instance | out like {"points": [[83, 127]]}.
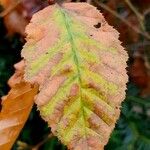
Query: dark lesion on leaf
{"points": [[98, 25], [117, 107]]}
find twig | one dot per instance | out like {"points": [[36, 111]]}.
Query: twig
{"points": [[139, 16], [23, 145], [135, 46], [36, 147], [9, 9], [139, 100], [89, 1], [147, 11], [146, 35]]}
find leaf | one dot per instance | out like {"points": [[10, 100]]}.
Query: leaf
{"points": [[17, 77], [17, 14], [16, 107], [79, 63], [14, 20]]}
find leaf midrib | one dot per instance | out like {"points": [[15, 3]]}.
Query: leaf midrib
{"points": [[76, 60]]}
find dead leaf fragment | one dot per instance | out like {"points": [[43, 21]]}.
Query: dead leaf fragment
{"points": [[16, 107], [17, 14]]}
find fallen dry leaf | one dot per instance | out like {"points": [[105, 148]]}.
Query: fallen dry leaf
{"points": [[16, 107], [17, 77], [16, 19]]}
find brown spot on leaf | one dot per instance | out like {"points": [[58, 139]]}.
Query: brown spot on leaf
{"points": [[98, 25]]}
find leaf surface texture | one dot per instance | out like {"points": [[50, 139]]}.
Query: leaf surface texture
{"points": [[79, 63]]}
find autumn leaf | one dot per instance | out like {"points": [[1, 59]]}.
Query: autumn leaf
{"points": [[79, 63], [17, 14], [13, 19], [16, 107], [17, 77]]}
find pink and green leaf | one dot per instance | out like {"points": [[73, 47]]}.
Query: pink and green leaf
{"points": [[79, 63]]}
